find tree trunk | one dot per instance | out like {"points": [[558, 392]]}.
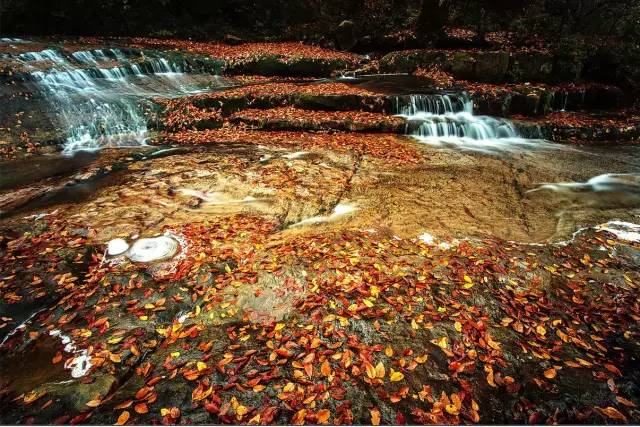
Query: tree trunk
{"points": [[433, 17]]}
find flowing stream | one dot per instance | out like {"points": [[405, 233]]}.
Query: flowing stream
{"points": [[99, 96], [447, 120]]}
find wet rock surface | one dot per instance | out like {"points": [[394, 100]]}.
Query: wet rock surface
{"points": [[291, 252]]}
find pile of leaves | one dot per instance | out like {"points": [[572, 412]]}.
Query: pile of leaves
{"points": [[238, 54], [381, 330], [385, 146], [295, 118]]}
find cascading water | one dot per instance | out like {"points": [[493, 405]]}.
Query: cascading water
{"points": [[447, 120], [99, 95]]}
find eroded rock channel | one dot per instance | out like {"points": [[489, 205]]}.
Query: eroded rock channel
{"points": [[333, 250]]}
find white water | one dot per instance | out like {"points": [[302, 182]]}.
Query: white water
{"points": [[448, 121], [80, 364], [98, 95], [339, 210], [609, 182]]}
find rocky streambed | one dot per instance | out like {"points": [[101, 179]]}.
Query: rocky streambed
{"points": [[322, 249]]}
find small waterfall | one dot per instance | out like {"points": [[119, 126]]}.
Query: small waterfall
{"points": [[447, 120], [99, 95], [411, 105]]}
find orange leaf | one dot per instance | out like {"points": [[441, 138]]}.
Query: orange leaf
{"points": [[141, 408], [175, 413], [323, 416], [124, 404], [550, 373], [375, 416], [613, 413], [626, 402], [613, 369], [123, 418], [325, 369], [489, 370]]}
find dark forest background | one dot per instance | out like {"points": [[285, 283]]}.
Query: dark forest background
{"points": [[316, 20]]}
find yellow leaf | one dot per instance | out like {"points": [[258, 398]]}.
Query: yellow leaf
{"points": [[422, 359], [458, 326], [388, 351], [380, 371], [375, 291], [201, 366], [368, 303], [279, 327], [451, 409], [441, 342], [396, 376], [541, 330]]}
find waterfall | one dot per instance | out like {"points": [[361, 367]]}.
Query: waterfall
{"points": [[99, 95], [447, 120]]}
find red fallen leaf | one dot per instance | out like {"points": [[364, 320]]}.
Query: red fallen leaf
{"points": [[613, 369], [78, 419], [283, 352], [337, 392], [212, 408], [536, 417], [400, 419], [269, 414]]}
